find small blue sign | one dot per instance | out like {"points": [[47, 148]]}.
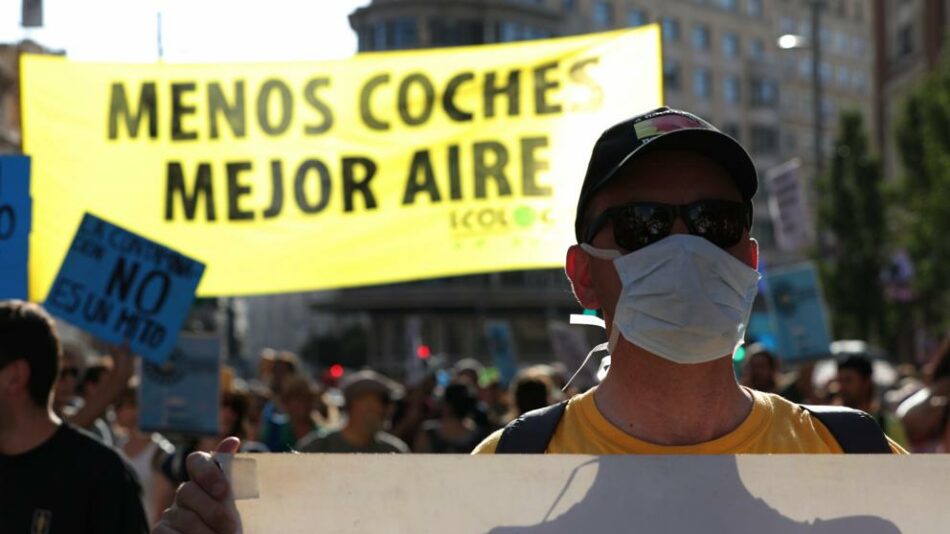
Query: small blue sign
{"points": [[120, 286], [15, 220], [181, 395], [798, 313], [502, 348]]}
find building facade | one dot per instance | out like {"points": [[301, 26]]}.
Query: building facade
{"points": [[910, 40]]}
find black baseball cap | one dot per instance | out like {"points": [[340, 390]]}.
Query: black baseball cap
{"points": [[663, 129]]}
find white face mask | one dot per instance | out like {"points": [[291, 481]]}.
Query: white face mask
{"points": [[683, 298]]}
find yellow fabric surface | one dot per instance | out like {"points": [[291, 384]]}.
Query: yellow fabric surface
{"points": [[774, 426]]}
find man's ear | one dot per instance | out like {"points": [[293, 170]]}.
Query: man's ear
{"points": [[577, 267], [16, 378]]}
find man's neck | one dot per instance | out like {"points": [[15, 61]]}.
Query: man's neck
{"points": [[661, 402], [28, 430]]}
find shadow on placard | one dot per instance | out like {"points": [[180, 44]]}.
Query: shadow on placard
{"points": [[691, 494]]}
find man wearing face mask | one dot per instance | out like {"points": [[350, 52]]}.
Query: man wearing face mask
{"points": [[664, 252]]}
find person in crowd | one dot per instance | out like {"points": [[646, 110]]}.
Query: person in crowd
{"points": [[664, 253], [761, 369], [926, 412], [298, 401], [414, 408], [532, 390], [454, 432], [231, 422], [53, 476], [66, 388], [801, 389], [145, 451], [369, 399], [856, 390], [470, 371], [259, 396], [92, 385], [283, 365]]}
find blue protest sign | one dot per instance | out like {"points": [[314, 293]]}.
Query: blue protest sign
{"points": [[181, 395], [798, 313], [501, 345], [120, 286], [15, 219]]}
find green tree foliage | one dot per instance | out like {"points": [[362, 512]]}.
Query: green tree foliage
{"points": [[851, 210], [923, 136]]}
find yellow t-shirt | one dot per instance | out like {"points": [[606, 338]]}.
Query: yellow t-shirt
{"points": [[774, 426]]}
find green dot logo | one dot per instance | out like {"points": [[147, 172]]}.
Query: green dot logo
{"points": [[524, 216]]}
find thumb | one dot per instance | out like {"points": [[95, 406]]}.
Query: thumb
{"points": [[228, 445]]}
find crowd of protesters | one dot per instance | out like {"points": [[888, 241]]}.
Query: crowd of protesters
{"points": [[287, 407]]}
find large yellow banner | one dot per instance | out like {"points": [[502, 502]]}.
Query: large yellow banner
{"points": [[298, 176]]}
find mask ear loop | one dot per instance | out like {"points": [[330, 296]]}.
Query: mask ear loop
{"points": [[589, 320]]}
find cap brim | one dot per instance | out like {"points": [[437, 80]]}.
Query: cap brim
{"points": [[717, 146]]}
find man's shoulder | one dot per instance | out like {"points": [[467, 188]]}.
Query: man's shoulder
{"points": [[489, 444]]}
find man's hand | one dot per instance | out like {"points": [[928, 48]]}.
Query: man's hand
{"points": [[200, 505]]}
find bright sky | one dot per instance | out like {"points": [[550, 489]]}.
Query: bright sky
{"points": [[192, 30]]}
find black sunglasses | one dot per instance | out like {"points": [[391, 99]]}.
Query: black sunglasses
{"points": [[639, 224]]}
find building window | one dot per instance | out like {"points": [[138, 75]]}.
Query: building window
{"points": [[702, 83], [509, 31], [671, 75], [804, 67], [826, 72], [905, 40], [636, 17], [729, 5], [569, 5], [671, 30], [764, 139], [755, 8], [764, 92], [379, 36], [603, 15], [841, 42], [844, 77], [701, 37], [730, 45], [859, 81], [402, 33], [786, 25], [756, 48], [791, 142], [730, 89], [456, 32]]}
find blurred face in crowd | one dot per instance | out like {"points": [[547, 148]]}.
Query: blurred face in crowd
{"points": [[299, 406], [228, 416], [127, 413], [854, 388], [668, 177], [281, 371], [369, 412]]}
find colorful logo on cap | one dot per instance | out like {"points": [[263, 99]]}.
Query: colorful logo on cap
{"points": [[656, 125]]}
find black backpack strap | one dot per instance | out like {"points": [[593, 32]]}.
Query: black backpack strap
{"points": [[530, 433], [856, 431]]}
